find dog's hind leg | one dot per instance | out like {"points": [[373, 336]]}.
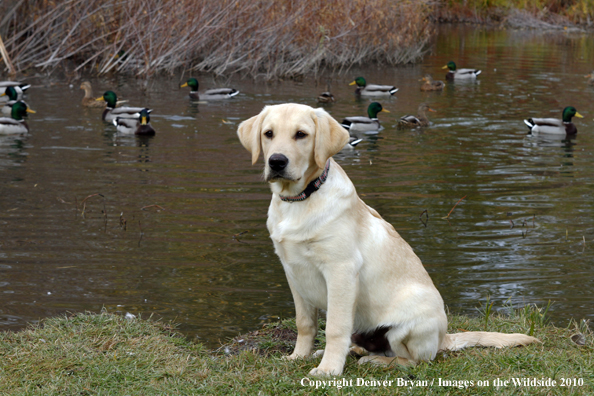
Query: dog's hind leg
{"points": [[385, 360], [393, 351], [425, 337], [354, 350], [411, 344]]}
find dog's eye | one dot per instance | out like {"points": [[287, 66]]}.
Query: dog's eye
{"points": [[300, 135], [268, 134]]}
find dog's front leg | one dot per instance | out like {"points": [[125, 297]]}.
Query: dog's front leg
{"points": [[342, 292], [307, 325]]}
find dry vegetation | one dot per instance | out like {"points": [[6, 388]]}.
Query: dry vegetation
{"points": [[259, 38], [269, 38], [536, 14]]}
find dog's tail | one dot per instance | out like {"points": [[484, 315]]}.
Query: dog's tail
{"points": [[455, 342]]}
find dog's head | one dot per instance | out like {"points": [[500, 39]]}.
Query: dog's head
{"points": [[296, 141]]}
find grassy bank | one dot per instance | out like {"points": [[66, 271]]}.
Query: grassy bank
{"points": [[88, 354], [267, 38]]}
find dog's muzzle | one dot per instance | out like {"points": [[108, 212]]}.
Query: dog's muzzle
{"points": [[277, 164]]}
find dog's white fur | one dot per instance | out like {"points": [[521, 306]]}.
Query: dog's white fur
{"points": [[341, 256]]}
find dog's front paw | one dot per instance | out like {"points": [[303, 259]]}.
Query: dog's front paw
{"points": [[325, 372]]}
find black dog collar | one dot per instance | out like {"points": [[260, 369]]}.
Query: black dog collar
{"points": [[311, 188]]}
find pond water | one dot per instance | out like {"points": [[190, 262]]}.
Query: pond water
{"points": [[179, 231]]}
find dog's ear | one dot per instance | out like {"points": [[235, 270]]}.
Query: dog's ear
{"points": [[249, 134], [330, 137]]}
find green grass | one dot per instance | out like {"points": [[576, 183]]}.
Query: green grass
{"points": [[105, 354]]}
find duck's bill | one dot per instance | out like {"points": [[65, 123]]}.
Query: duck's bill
{"points": [[445, 67], [353, 83], [3, 94], [31, 111], [101, 98], [432, 110], [183, 85], [578, 115], [385, 111]]}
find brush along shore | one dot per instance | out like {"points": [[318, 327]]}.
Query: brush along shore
{"points": [[518, 14], [106, 354], [265, 39], [260, 38]]}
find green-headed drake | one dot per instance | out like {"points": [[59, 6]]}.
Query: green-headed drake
{"points": [[364, 124], [22, 87], [209, 94], [14, 94], [138, 126], [431, 85], [17, 123], [111, 112], [460, 74], [555, 126], [420, 120], [365, 89]]}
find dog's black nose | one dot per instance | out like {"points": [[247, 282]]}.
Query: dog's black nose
{"points": [[278, 162]]}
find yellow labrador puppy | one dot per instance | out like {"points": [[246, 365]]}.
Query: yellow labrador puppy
{"points": [[340, 255]]}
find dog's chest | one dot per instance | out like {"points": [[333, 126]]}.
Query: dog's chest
{"points": [[304, 270], [294, 244], [299, 232], [298, 244]]}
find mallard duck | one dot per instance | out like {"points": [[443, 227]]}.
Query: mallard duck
{"points": [[16, 124], [363, 124], [431, 85], [22, 87], [89, 100], [365, 89], [138, 126], [554, 126], [14, 94], [420, 120], [209, 94], [353, 141], [111, 112], [459, 74], [325, 97]]}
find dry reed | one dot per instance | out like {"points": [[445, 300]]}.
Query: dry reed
{"points": [[534, 14], [260, 38]]}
